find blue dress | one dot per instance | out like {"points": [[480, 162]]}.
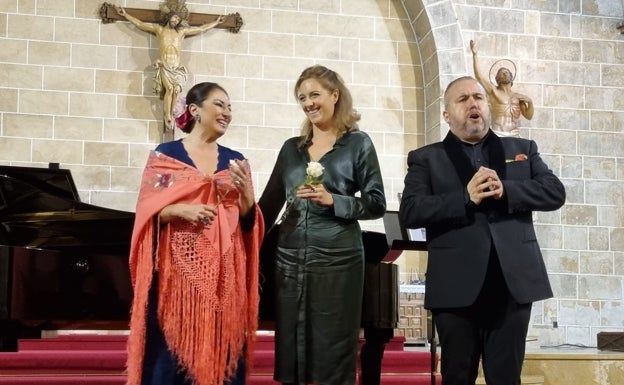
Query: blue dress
{"points": [[160, 367]]}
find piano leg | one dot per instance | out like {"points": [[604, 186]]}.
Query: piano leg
{"points": [[11, 331], [380, 316], [372, 352], [8, 336]]}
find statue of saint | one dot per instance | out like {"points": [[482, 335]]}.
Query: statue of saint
{"points": [[170, 74], [506, 105]]}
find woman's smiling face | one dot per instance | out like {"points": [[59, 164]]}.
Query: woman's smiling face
{"points": [[317, 102], [215, 112]]}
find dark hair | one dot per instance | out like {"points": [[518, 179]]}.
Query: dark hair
{"points": [[345, 117], [196, 95], [452, 83]]}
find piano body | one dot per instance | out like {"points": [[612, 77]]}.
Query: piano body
{"points": [[63, 262]]}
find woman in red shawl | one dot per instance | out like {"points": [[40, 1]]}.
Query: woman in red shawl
{"points": [[194, 254]]}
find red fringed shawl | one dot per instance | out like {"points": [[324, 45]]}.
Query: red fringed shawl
{"points": [[208, 275]]}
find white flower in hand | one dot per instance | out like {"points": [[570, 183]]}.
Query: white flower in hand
{"points": [[314, 173]]}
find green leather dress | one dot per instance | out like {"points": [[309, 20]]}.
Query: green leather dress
{"points": [[320, 259]]}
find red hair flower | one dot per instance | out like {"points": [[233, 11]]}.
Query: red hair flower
{"points": [[181, 113]]}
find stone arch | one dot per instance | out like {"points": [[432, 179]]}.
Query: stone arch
{"points": [[438, 34]]}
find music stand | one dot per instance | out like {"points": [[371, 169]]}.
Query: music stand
{"points": [[401, 239]]}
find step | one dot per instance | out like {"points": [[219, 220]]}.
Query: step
{"points": [[63, 380], [393, 362], [386, 379], [265, 342], [405, 379], [101, 361], [75, 342], [89, 361], [263, 362], [63, 362], [406, 362], [262, 379], [118, 341]]}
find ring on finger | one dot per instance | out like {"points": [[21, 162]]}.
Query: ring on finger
{"points": [[238, 182], [205, 220], [313, 189]]}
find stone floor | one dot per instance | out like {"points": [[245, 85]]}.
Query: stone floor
{"points": [[565, 365]]}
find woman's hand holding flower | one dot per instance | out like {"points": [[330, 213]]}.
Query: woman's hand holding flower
{"points": [[312, 188], [315, 193]]}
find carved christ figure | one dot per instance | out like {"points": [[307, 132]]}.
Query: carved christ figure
{"points": [[170, 74], [506, 105]]}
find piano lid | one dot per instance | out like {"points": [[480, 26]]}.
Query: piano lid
{"points": [[40, 207], [55, 180]]}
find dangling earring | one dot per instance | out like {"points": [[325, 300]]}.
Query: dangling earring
{"points": [[198, 118]]}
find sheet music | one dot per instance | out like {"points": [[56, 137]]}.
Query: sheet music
{"points": [[417, 234]]}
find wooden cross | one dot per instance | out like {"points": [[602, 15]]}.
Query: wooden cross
{"points": [[108, 14], [171, 74]]}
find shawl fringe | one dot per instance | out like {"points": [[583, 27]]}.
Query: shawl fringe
{"points": [[208, 279]]}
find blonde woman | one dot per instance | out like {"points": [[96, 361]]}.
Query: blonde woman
{"points": [[329, 178]]}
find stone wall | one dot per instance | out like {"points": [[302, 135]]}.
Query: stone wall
{"points": [[79, 92]]}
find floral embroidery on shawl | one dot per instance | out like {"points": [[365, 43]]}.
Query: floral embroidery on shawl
{"points": [[208, 286]]}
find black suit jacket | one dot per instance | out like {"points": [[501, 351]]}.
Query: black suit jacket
{"points": [[460, 237]]}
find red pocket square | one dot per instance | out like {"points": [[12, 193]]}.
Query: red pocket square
{"points": [[517, 158]]}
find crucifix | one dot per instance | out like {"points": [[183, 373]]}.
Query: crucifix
{"points": [[170, 25]]}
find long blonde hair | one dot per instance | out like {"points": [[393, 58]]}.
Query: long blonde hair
{"points": [[345, 117]]}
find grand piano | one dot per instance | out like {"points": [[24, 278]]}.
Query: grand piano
{"points": [[63, 262]]}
